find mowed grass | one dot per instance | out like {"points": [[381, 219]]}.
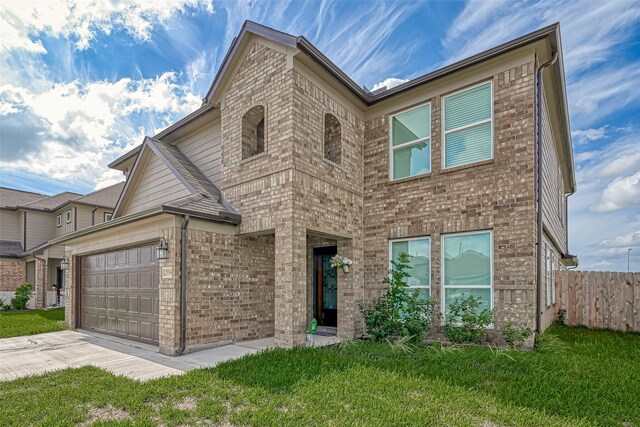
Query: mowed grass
{"points": [[30, 322], [576, 377]]}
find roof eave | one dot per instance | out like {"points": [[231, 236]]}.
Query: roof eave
{"points": [[219, 217]]}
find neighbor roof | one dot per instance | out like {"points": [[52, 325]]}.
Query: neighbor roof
{"points": [[10, 198], [51, 203], [10, 248], [105, 197]]}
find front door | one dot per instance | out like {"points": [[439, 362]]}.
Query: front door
{"points": [[325, 287]]}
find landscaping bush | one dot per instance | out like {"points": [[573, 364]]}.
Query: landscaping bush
{"points": [[515, 334], [21, 297], [399, 312], [465, 322], [4, 306]]}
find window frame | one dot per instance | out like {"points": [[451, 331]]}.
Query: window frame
{"points": [[59, 220], [409, 143], [104, 216], [68, 216], [443, 287], [445, 132], [408, 239]]}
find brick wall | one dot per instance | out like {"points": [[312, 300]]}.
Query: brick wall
{"points": [[496, 195], [12, 275], [230, 288]]}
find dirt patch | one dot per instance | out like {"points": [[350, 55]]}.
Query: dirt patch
{"points": [[188, 404], [107, 413]]}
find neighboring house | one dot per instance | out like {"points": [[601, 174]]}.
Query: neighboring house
{"points": [[289, 161], [28, 221]]}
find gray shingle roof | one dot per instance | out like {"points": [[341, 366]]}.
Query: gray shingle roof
{"points": [[206, 198], [10, 248], [107, 197], [52, 202], [12, 198]]}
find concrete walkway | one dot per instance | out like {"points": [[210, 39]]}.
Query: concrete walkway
{"points": [[37, 354]]}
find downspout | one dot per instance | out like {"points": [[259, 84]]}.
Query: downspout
{"points": [[183, 286], [538, 90]]}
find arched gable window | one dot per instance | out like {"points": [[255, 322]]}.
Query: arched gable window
{"points": [[253, 132], [332, 138]]}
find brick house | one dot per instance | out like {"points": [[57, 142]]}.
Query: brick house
{"points": [[289, 161], [28, 221]]}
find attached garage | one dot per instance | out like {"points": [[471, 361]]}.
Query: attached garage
{"points": [[119, 293]]}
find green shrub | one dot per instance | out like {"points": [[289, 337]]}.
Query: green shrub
{"points": [[515, 334], [4, 306], [21, 297], [465, 322], [398, 312]]}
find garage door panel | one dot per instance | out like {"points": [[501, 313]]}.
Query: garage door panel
{"points": [[119, 293]]}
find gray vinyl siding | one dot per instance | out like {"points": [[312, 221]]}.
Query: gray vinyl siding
{"points": [[10, 228], [157, 185], [40, 228], [64, 228], [202, 147], [553, 211], [85, 214]]}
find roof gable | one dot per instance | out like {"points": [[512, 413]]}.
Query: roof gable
{"points": [[175, 185]]}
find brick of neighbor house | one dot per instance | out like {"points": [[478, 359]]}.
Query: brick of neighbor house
{"points": [[12, 275], [41, 283]]}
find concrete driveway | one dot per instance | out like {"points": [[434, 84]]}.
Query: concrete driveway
{"points": [[36, 354]]}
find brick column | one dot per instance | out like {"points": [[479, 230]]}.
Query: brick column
{"points": [[70, 292], [169, 294], [40, 287], [290, 285], [350, 289]]}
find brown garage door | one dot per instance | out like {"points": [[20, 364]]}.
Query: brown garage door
{"points": [[120, 293]]}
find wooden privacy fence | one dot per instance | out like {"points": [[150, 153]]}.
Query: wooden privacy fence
{"points": [[600, 299]]}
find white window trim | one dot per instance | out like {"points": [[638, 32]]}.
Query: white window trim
{"points": [[443, 307], [548, 268], [59, 220], [68, 216], [408, 143], [109, 214], [408, 239], [481, 122]]}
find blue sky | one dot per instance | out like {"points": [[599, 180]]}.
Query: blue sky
{"points": [[82, 81]]}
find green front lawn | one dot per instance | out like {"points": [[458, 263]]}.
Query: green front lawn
{"points": [[577, 377], [30, 322]]}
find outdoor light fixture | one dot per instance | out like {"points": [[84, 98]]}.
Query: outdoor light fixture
{"points": [[64, 264], [162, 249]]}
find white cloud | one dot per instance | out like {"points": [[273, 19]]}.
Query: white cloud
{"points": [[483, 25], [625, 240], [589, 135], [74, 129], [621, 193], [80, 20], [389, 83]]}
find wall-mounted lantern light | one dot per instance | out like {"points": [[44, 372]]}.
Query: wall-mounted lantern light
{"points": [[162, 249], [64, 264]]}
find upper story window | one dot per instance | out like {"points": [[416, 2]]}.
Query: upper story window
{"points": [[468, 126], [467, 268], [411, 142], [420, 251], [332, 138], [107, 216], [253, 132], [68, 216], [59, 220]]}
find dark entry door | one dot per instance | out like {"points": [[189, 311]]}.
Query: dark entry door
{"points": [[325, 296]]}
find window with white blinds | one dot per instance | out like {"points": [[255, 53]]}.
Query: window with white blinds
{"points": [[468, 126], [410, 142]]}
